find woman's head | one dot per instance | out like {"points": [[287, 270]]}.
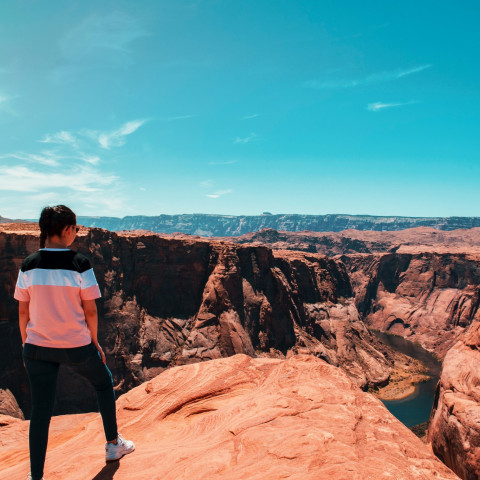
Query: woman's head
{"points": [[53, 221]]}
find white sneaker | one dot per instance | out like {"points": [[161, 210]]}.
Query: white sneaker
{"points": [[114, 452], [30, 477]]}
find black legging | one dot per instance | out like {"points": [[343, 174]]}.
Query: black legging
{"points": [[42, 366]]}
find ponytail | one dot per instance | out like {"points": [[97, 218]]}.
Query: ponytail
{"points": [[53, 220], [43, 239]]}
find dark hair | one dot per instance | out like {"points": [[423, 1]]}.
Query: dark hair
{"points": [[53, 220]]}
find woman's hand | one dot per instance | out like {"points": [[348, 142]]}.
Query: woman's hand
{"points": [[100, 351]]}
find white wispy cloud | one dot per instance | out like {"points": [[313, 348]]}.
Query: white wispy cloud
{"points": [[91, 159], [62, 137], [109, 199], [403, 73], [68, 172], [206, 183], [81, 179], [179, 117], [52, 158], [377, 106], [248, 139], [371, 79], [116, 138], [226, 162], [47, 158], [248, 117], [218, 193], [106, 139]]}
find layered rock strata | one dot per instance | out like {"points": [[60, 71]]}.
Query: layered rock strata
{"points": [[168, 302], [238, 418], [455, 421], [411, 240]]}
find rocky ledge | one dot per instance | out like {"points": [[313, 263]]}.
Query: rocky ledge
{"points": [[237, 418]]}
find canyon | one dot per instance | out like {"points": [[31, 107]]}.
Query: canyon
{"points": [[169, 302], [174, 300]]}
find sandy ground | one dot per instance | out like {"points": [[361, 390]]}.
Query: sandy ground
{"points": [[406, 374]]}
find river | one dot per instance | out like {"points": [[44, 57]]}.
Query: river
{"points": [[415, 408]]}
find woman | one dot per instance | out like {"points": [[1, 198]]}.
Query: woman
{"points": [[56, 290]]}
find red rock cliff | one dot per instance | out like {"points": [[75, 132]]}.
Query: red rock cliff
{"points": [[455, 421], [427, 297]]}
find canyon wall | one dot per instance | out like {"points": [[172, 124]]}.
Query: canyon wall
{"points": [[420, 283], [429, 297], [455, 420], [170, 302]]}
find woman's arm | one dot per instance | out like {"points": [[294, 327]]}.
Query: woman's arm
{"points": [[23, 318], [91, 317]]}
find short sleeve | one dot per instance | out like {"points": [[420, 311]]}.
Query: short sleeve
{"points": [[21, 288], [89, 289]]}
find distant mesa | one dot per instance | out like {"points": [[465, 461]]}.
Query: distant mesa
{"points": [[9, 220], [209, 225], [212, 225]]}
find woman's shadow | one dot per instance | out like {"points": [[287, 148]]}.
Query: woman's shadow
{"points": [[108, 471]]}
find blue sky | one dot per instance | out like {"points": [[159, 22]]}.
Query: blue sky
{"points": [[240, 107]]}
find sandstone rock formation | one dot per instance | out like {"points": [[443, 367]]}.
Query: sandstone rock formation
{"points": [[9, 406], [455, 421], [168, 302], [237, 418], [227, 225]]}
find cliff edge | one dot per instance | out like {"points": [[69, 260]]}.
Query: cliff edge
{"points": [[237, 418]]}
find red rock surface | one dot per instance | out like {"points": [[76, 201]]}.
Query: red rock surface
{"points": [[455, 421], [237, 418]]}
